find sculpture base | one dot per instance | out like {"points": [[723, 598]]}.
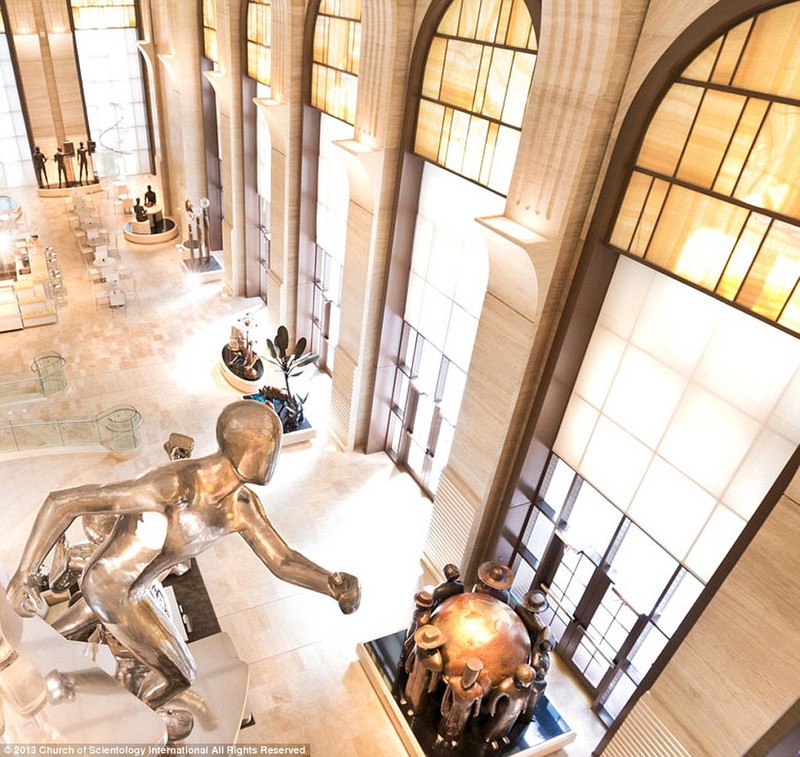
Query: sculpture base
{"points": [[545, 734], [204, 269], [65, 191], [163, 231]]}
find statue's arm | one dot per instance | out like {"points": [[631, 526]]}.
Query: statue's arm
{"points": [[252, 523], [58, 511]]}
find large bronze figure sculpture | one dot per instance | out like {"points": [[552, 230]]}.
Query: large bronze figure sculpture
{"points": [[158, 521]]}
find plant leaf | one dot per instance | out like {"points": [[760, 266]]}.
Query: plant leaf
{"points": [[300, 347], [271, 348], [282, 339], [306, 360]]}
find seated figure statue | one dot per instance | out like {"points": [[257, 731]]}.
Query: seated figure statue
{"points": [[161, 519]]}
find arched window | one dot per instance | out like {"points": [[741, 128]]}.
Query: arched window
{"points": [[721, 156], [15, 163], [210, 49], [475, 88], [334, 68], [259, 41], [106, 39], [683, 414]]}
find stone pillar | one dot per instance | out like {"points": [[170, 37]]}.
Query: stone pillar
{"points": [[181, 103], [373, 161]]}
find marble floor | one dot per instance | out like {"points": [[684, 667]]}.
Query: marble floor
{"points": [[344, 510]]}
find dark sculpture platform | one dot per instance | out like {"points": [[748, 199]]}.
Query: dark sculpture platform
{"points": [[546, 733]]}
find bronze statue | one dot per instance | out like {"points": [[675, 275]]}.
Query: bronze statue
{"points": [[420, 617], [139, 210], [506, 703], [149, 197], [83, 163], [450, 586], [39, 159], [157, 521], [461, 701], [528, 610], [424, 667], [494, 579], [62, 170]]}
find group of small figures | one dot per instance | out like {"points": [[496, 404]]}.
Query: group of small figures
{"points": [[424, 660]]}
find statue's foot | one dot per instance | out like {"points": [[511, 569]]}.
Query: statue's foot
{"points": [[179, 722]]}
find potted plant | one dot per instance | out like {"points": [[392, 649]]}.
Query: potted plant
{"points": [[291, 363]]}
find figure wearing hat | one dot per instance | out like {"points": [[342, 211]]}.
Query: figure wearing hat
{"points": [[451, 585], [541, 654], [494, 579], [422, 615], [533, 603], [424, 667], [506, 704], [537, 689], [461, 701]]}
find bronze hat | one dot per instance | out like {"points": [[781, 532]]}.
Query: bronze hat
{"points": [[429, 637], [495, 575]]}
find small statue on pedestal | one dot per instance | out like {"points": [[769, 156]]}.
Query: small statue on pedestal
{"points": [[149, 197], [139, 210], [39, 160], [62, 169], [83, 163]]}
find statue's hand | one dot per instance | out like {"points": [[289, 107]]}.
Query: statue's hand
{"points": [[346, 590], [23, 595]]}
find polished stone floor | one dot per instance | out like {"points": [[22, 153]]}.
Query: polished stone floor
{"points": [[344, 510]]}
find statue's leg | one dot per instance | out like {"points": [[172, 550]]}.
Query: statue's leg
{"points": [[141, 627], [129, 612], [76, 620]]}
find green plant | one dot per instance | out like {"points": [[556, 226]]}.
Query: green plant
{"points": [[291, 363]]}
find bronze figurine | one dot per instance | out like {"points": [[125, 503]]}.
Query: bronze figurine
{"points": [[461, 701]]}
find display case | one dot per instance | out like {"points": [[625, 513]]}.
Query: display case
{"points": [[10, 317], [35, 304]]}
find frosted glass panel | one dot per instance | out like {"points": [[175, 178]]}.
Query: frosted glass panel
{"points": [[747, 364], [759, 469], [676, 322], [671, 507], [614, 462], [708, 438], [644, 396], [694, 405], [717, 538], [600, 365], [576, 430]]}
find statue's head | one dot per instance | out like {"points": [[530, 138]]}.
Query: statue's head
{"points": [[249, 435]]}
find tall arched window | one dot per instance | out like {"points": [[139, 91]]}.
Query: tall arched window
{"points": [[210, 49], [684, 411], [111, 72], [475, 88], [259, 41], [15, 164], [334, 67], [721, 154]]}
